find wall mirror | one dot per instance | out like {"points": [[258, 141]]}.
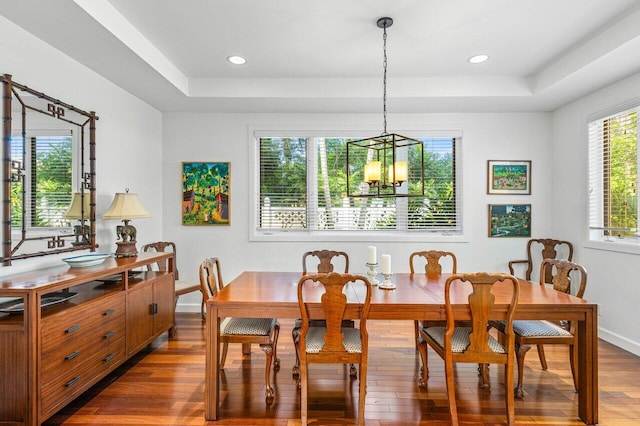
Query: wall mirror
{"points": [[48, 174]]}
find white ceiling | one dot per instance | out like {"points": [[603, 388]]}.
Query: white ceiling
{"points": [[326, 56]]}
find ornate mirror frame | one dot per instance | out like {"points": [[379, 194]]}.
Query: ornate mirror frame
{"points": [[52, 240]]}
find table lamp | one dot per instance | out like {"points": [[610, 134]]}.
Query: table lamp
{"points": [[126, 206], [79, 210]]}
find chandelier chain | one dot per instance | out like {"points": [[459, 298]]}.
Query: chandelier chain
{"points": [[384, 81]]}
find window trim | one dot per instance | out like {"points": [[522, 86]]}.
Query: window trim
{"points": [[257, 132]]}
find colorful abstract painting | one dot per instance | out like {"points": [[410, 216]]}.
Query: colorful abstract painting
{"points": [[205, 193]]}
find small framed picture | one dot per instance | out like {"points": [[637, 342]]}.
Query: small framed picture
{"points": [[509, 177], [205, 193], [510, 220]]}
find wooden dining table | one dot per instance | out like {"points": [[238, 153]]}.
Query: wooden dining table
{"points": [[416, 297]]}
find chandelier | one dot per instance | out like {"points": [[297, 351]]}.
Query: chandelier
{"points": [[388, 165]]}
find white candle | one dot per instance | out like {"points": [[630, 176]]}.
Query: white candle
{"points": [[386, 264], [371, 259]]}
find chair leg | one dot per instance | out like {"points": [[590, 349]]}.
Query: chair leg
{"points": [[246, 349], [509, 394], [295, 371], [353, 371], [276, 360], [268, 351], [362, 393], [543, 359], [521, 352], [424, 370], [416, 333], [451, 392], [202, 314], [223, 357], [303, 393], [483, 369], [573, 355]]}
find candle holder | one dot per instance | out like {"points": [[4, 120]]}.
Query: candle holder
{"points": [[387, 284], [371, 273]]}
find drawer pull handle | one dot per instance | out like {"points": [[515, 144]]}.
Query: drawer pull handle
{"points": [[71, 382], [72, 355], [72, 329], [109, 334], [109, 312], [153, 308], [108, 357]]}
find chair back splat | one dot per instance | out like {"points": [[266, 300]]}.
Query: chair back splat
{"points": [[539, 249]]}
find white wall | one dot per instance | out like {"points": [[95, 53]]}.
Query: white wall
{"points": [[128, 132], [225, 137], [613, 276]]}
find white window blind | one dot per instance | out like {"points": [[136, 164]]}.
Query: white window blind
{"points": [[44, 175], [302, 186], [613, 175]]}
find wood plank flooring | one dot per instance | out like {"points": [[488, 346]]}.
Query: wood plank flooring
{"points": [[164, 385]]}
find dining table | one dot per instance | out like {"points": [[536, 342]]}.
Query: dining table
{"points": [[415, 297]]}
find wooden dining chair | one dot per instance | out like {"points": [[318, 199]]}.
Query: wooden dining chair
{"points": [[182, 287], [325, 263], [541, 332], [539, 249], [433, 269], [474, 344], [261, 331], [332, 343]]}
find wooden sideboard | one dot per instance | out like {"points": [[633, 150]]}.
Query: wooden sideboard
{"points": [[50, 355]]}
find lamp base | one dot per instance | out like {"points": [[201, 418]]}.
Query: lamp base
{"points": [[126, 249]]}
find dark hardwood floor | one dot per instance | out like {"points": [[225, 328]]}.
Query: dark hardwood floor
{"points": [[164, 385]]}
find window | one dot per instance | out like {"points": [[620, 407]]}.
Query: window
{"points": [[41, 173], [613, 176], [301, 187]]}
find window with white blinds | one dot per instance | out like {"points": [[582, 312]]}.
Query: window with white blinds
{"points": [[613, 176], [41, 180], [302, 187]]}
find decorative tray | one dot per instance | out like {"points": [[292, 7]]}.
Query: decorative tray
{"points": [[17, 306], [86, 260], [118, 277]]}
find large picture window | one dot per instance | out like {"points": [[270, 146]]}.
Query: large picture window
{"points": [[301, 187], [613, 176]]}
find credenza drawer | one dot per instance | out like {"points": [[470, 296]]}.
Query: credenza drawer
{"points": [[63, 327], [68, 383], [81, 348]]}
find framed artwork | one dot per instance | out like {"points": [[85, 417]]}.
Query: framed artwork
{"points": [[509, 177], [510, 220], [205, 193]]}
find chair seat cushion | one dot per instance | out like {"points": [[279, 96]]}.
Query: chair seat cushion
{"points": [[351, 341], [247, 326], [460, 339], [531, 328]]}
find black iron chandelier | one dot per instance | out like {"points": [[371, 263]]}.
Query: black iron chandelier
{"points": [[388, 165]]}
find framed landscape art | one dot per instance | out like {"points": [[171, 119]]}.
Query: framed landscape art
{"points": [[510, 220], [509, 177], [205, 193]]}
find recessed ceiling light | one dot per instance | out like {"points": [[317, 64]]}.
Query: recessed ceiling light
{"points": [[478, 59], [237, 60]]}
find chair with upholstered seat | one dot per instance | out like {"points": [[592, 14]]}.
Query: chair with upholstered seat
{"points": [[325, 263], [181, 287], [261, 331], [433, 269], [474, 344], [539, 249], [332, 343], [540, 332]]}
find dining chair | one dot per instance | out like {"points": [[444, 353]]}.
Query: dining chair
{"points": [[325, 263], [542, 332], [261, 331], [433, 269], [332, 343], [474, 344], [539, 249], [181, 286]]}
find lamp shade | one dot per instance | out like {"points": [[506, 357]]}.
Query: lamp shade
{"points": [[76, 209], [126, 206]]}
